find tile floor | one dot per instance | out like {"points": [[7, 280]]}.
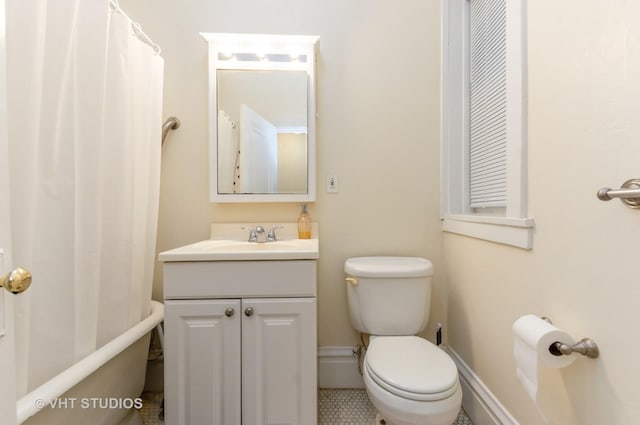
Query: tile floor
{"points": [[150, 411], [352, 407], [345, 407], [337, 407]]}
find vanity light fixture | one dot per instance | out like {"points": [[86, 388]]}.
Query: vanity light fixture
{"points": [[261, 57], [259, 51], [226, 55]]}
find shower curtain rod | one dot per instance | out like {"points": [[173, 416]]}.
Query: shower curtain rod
{"points": [[136, 27]]}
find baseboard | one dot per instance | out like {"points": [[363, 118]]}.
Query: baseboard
{"points": [[338, 368], [482, 407]]}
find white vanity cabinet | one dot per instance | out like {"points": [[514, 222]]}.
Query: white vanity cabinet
{"points": [[240, 342]]}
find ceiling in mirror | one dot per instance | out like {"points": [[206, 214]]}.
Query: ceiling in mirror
{"points": [[262, 120]]}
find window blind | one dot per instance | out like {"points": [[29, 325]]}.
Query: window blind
{"points": [[488, 104]]}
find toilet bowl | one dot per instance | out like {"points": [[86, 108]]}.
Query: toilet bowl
{"points": [[409, 380]]}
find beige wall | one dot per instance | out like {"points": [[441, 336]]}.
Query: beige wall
{"points": [[292, 162], [378, 130], [584, 133]]}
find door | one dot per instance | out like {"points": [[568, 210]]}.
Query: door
{"points": [[258, 153], [202, 362], [279, 372], [7, 365]]}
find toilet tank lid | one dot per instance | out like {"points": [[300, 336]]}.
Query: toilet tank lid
{"points": [[388, 267]]}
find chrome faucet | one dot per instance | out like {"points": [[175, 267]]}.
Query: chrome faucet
{"points": [[252, 234], [271, 236], [259, 235]]}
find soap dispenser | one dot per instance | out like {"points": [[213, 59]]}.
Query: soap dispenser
{"points": [[304, 224]]}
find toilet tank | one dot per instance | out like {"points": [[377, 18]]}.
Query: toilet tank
{"points": [[388, 295]]}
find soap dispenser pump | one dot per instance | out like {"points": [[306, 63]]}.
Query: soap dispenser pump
{"points": [[304, 224]]}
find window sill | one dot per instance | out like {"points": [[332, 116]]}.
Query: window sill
{"points": [[516, 232]]}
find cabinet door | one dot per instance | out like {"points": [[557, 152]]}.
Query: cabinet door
{"points": [[202, 362], [279, 372]]}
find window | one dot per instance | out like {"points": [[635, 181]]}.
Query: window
{"points": [[484, 121]]}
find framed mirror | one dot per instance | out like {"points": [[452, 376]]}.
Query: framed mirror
{"points": [[261, 118]]}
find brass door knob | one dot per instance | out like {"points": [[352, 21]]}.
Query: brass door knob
{"points": [[17, 281]]}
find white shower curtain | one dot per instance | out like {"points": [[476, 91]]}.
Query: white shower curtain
{"points": [[84, 129], [227, 153]]}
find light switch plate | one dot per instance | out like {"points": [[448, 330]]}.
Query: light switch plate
{"points": [[332, 183]]}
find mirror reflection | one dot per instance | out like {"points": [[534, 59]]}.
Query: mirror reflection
{"points": [[262, 131]]}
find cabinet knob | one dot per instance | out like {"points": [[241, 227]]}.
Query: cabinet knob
{"points": [[248, 311], [229, 312]]}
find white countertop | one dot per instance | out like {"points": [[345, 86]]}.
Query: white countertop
{"points": [[229, 243]]}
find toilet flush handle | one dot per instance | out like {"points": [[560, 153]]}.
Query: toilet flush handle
{"points": [[351, 280]]}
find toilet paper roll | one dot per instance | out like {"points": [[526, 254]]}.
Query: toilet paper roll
{"points": [[532, 339]]}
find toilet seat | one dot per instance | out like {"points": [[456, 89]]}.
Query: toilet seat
{"points": [[411, 367]]}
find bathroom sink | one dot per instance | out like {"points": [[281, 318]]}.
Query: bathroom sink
{"points": [[236, 250]]}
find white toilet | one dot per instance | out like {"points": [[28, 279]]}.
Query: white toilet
{"points": [[408, 379]]}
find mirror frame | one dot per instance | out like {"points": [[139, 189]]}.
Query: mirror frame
{"points": [[224, 43]]}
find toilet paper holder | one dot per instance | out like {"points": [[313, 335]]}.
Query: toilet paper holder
{"points": [[586, 347]]}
